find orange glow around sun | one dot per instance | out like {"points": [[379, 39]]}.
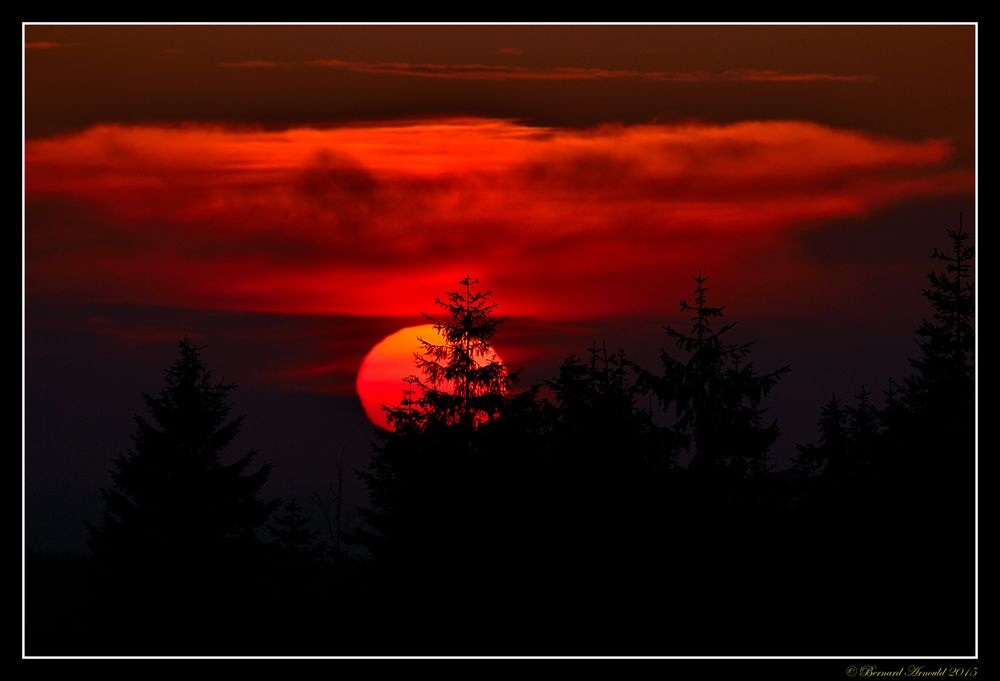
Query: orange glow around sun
{"points": [[380, 379]]}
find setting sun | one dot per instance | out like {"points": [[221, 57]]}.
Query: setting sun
{"points": [[380, 379]]}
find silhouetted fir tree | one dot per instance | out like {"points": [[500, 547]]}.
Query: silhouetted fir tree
{"points": [[298, 580], [849, 444], [942, 386], [895, 407], [462, 385], [813, 460], [716, 393], [598, 387], [462, 381], [605, 482], [864, 433], [179, 527], [597, 413], [291, 533], [935, 447], [906, 478], [592, 395], [433, 485], [895, 419]]}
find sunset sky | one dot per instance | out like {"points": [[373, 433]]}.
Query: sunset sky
{"points": [[290, 195]]}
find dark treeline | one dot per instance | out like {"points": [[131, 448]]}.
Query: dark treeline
{"points": [[617, 509]]}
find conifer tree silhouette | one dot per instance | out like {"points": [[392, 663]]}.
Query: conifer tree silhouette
{"points": [[935, 433], [935, 447], [598, 387], [462, 382], [864, 432], [716, 393], [850, 443], [177, 516], [945, 369], [814, 460], [422, 479], [597, 412], [290, 531]]}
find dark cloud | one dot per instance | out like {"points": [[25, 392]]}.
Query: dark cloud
{"points": [[337, 183], [118, 74], [506, 72], [251, 64]]}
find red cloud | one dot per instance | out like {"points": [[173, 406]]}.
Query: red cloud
{"points": [[773, 76], [47, 45], [378, 219], [507, 72]]}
